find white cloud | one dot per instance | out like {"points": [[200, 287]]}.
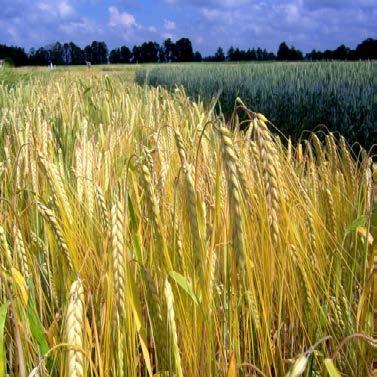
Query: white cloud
{"points": [[292, 12], [167, 35], [12, 32], [124, 19], [62, 9], [224, 16], [65, 9], [83, 26], [169, 25], [211, 14], [233, 3], [199, 40], [44, 7], [208, 23], [211, 3]]}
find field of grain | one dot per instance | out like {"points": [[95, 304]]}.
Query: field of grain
{"points": [[295, 96], [141, 235]]}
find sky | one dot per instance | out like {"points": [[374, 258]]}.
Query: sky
{"points": [[305, 24]]}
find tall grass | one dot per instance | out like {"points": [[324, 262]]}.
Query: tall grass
{"points": [[295, 96], [140, 237]]}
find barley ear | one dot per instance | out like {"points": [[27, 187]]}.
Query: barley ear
{"points": [[172, 327], [74, 329]]}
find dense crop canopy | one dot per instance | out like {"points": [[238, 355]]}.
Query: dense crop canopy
{"points": [[140, 236]]}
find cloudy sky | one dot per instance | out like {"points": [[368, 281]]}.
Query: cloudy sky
{"points": [[306, 24]]}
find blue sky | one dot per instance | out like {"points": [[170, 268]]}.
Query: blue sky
{"points": [[306, 24]]}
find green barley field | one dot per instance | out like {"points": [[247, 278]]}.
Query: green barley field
{"points": [[295, 96], [145, 233]]}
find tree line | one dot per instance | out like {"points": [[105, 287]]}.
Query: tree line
{"points": [[180, 51]]}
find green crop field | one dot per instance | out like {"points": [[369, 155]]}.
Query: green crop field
{"points": [[144, 234], [294, 96]]}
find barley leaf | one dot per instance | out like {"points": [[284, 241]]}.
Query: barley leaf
{"points": [[184, 284], [35, 324], [3, 316], [232, 370], [358, 222], [331, 368]]}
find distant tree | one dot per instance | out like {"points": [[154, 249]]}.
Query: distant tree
{"points": [[219, 55], [270, 56], [184, 50], [101, 52], [125, 55], [14, 55], [56, 53], [367, 49], [170, 51], [120, 55], [342, 53], [96, 53], [149, 52], [253, 54], [197, 56], [328, 55], [161, 55], [230, 54], [114, 56], [136, 55], [66, 54], [285, 53], [239, 55], [88, 53], [181, 51], [314, 55], [39, 57], [77, 54], [235, 54], [31, 56], [296, 54]]}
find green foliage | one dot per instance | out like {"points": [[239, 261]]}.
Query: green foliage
{"points": [[3, 317], [184, 284]]}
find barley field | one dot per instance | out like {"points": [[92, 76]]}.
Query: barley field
{"points": [[142, 235], [295, 96]]}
